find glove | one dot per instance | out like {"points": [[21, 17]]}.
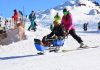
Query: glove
{"points": [[67, 32]]}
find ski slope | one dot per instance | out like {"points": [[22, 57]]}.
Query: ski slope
{"points": [[22, 55]]}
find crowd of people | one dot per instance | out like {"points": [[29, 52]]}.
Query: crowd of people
{"points": [[17, 22], [60, 28]]}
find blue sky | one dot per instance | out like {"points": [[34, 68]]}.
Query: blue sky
{"points": [[7, 6]]}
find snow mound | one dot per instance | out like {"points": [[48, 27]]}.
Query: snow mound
{"points": [[12, 36]]}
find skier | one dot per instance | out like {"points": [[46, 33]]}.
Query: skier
{"points": [[32, 17], [69, 27], [85, 26], [15, 17], [57, 33]]}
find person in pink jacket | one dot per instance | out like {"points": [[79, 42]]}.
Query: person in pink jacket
{"points": [[68, 25]]}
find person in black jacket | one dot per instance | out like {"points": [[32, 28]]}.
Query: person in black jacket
{"points": [[85, 26], [57, 33]]}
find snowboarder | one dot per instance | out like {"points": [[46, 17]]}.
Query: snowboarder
{"points": [[15, 17], [32, 18], [69, 26]]}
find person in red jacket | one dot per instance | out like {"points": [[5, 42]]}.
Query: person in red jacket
{"points": [[68, 25], [15, 18]]}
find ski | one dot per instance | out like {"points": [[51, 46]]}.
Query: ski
{"points": [[79, 49], [40, 53]]}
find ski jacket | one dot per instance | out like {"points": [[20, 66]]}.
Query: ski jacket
{"points": [[32, 17], [57, 19], [15, 16], [57, 31], [67, 22]]}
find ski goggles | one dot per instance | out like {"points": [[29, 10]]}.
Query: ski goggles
{"points": [[65, 13]]}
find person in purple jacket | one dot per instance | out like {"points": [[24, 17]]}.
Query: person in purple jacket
{"points": [[68, 25]]}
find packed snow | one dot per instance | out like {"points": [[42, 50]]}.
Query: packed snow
{"points": [[22, 55]]}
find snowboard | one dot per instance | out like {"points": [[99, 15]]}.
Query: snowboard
{"points": [[88, 47]]}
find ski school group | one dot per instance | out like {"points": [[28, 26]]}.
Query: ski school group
{"points": [[60, 29]]}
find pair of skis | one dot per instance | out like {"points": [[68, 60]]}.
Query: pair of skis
{"points": [[88, 47]]}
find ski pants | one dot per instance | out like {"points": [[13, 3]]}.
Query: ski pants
{"points": [[31, 26], [75, 36]]}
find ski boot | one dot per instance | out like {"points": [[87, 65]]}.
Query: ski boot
{"points": [[40, 53], [82, 45]]}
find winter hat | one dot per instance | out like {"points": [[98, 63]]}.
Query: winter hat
{"points": [[32, 11], [15, 10], [65, 11]]}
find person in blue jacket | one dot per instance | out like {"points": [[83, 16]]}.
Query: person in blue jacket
{"points": [[32, 18]]}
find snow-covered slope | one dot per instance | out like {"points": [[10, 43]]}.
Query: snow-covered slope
{"points": [[21, 55]]}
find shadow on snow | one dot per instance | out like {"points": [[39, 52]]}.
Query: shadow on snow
{"points": [[16, 57], [89, 31]]}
